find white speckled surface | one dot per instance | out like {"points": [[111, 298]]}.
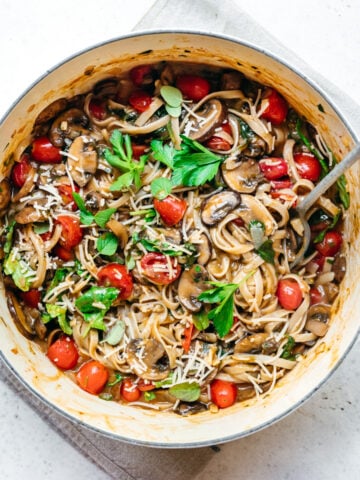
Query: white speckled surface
{"points": [[320, 440]]}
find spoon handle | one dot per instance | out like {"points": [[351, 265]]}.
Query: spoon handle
{"points": [[329, 180]]}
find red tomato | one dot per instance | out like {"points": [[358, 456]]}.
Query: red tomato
{"points": [[21, 170], [187, 337], [239, 222], [223, 393], [97, 109], [225, 126], [277, 108], [171, 209], [281, 184], [193, 87], [46, 236], [316, 296], [32, 298], [289, 294], [71, 234], [145, 385], [273, 168], [63, 353], [217, 143], [129, 391], [141, 74], [92, 377], [319, 260], [63, 253], [117, 276], [308, 166], [330, 245], [138, 150], [140, 100], [66, 192], [44, 151], [155, 268]]}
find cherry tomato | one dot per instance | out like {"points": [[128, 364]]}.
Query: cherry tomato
{"points": [[140, 100], [330, 245], [217, 143], [316, 296], [63, 253], [318, 260], [145, 385], [193, 87], [171, 209], [97, 109], [46, 236], [141, 75], [281, 184], [273, 168], [32, 298], [129, 391], [155, 268], [223, 393], [117, 276], [187, 338], [66, 192], [239, 222], [43, 151], [92, 377], [71, 234], [289, 294], [21, 170], [308, 166], [277, 108], [63, 353], [138, 150]]}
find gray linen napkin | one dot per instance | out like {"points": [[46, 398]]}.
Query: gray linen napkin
{"points": [[120, 460]]}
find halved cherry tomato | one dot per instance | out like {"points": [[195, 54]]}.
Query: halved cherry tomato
{"points": [[316, 295], [46, 236], [71, 234], [273, 168], [63, 353], [145, 385], [97, 109], [63, 253], [32, 298], [239, 222], [21, 170], [92, 377], [171, 209], [193, 87], [289, 294], [330, 245], [155, 267], [281, 184], [138, 150], [188, 332], [142, 74], [223, 393], [217, 143], [308, 166], [140, 100], [277, 108], [129, 391], [66, 192], [44, 151], [117, 276], [319, 260]]}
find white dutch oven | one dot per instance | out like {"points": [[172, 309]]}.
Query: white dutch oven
{"points": [[123, 422]]}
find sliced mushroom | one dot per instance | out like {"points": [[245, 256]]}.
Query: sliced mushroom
{"points": [[211, 116], [70, 124], [252, 209], [82, 161], [204, 250], [30, 214], [93, 201], [317, 318], [106, 88], [216, 207], [231, 80], [256, 147], [120, 230], [186, 409], [339, 268], [51, 111], [191, 284], [243, 177], [172, 235], [18, 316], [147, 358], [253, 342], [5, 194]]}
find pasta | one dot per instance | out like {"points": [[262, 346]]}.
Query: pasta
{"points": [[148, 235]]}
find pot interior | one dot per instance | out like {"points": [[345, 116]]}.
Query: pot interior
{"points": [[77, 75]]}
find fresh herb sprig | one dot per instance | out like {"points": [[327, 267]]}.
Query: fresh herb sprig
{"points": [[157, 246], [87, 218], [122, 158], [222, 316], [287, 349]]}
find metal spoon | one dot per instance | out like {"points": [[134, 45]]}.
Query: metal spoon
{"points": [[314, 195]]}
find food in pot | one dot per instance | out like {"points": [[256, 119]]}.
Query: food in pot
{"points": [[148, 234]]}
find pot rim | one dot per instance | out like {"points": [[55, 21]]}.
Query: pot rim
{"points": [[283, 414]]}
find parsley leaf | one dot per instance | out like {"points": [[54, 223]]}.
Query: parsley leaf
{"points": [[161, 188], [87, 218], [287, 349], [163, 153], [9, 233], [201, 320], [107, 244], [187, 392], [266, 251], [59, 312], [103, 216]]}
